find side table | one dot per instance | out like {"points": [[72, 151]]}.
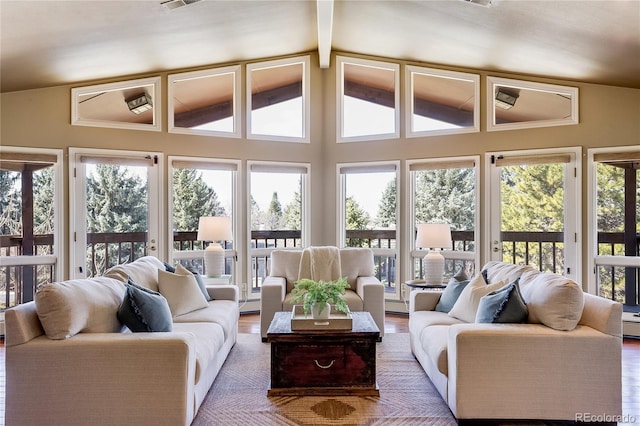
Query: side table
{"points": [[218, 280], [422, 285]]}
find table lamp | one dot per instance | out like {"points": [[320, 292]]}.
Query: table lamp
{"points": [[434, 236], [214, 228]]}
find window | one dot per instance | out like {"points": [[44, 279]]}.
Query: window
{"points": [[368, 100], [201, 187], [533, 209], [446, 190], [205, 102], [368, 214], [441, 102], [30, 222], [516, 104], [278, 212], [116, 201], [278, 103], [134, 104], [614, 190]]}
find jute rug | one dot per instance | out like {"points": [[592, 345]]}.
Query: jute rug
{"points": [[239, 394]]}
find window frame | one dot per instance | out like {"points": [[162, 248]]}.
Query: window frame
{"points": [[410, 70], [341, 195], [493, 82], [413, 253], [236, 71], [236, 218], [389, 66], [305, 61], [156, 98]]}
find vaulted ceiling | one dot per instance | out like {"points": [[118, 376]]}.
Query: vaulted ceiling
{"points": [[47, 43]]}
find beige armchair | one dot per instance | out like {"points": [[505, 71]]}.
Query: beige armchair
{"points": [[288, 266]]}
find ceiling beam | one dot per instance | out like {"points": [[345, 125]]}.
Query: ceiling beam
{"points": [[325, 28]]}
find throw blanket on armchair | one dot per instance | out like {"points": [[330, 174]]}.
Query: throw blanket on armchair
{"points": [[320, 264]]}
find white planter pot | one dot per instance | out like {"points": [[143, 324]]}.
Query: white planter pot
{"points": [[320, 311]]}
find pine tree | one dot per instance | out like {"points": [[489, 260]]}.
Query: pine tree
{"points": [[274, 218], [193, 198], [387, 207], [43, 209], [293, 212], [10, 208]]}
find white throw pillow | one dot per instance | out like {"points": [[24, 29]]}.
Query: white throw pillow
{"points": [[67, 308], [466, 306], [554, 301], [181, 291]]}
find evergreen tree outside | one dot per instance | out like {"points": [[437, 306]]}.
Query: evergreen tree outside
{"points": [[356, 218], [193, 198], [274, 218], [116, 202], [293, 213], [386, 216], [10, 204]]}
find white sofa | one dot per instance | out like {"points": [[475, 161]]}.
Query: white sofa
{"points": [[288, 266], [94, 371], [563, 360]]}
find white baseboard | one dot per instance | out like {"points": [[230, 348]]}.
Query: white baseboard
{"points": [[630, 325]]}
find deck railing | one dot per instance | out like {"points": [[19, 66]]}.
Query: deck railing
{"points": [[541, 249]]}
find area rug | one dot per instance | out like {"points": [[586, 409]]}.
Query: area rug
{"points": [[239, 394]]}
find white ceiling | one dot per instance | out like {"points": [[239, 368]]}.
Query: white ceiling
{"points": [[47, 43]]}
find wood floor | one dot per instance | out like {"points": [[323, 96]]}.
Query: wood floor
{"points": [[398, 323]]}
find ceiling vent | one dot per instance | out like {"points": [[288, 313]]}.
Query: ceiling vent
{"points": [[485, 3], [174, 4]]}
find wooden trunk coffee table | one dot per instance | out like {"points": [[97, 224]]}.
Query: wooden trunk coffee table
{"points": [[328, 362]]}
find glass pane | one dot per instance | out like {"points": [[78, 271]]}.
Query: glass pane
{"points": [[196, 193], [276, 216], [532, 216], [204, 103], [442, 104], [522, 104], [369, 100], [277, 107], [117, 215], [18, 283], [129, 105], [618, 221], [370, 218], [447, 196]]}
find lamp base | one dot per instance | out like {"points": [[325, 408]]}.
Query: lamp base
{"points": [[433, 267], [214, 260]]}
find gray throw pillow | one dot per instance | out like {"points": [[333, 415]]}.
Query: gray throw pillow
{"points": [[503, 306], [452, 291], [144, 310]]}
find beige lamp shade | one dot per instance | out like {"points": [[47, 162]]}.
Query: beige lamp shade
{"points": [[434, 236], [214, 228]]}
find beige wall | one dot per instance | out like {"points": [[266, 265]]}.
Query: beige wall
{"points": [[609, 116]]}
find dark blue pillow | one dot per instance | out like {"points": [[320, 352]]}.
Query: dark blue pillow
{"points": [[503, 306], [452, 291], [144, 310], [169, 268]]}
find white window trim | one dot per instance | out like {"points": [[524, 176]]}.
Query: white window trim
{"points": [[238, 240], [592, 222], [306, 98], [573, 201], [409, 247], [58, 217], [156, 97], [390, 66], [340, 209], [409, 104], [492, 82], [237, 118], [77, 203]]}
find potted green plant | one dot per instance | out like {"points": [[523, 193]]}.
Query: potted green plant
{"points": [[318, 296]]}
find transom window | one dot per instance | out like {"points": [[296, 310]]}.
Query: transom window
{"points": [[368, 100]]}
